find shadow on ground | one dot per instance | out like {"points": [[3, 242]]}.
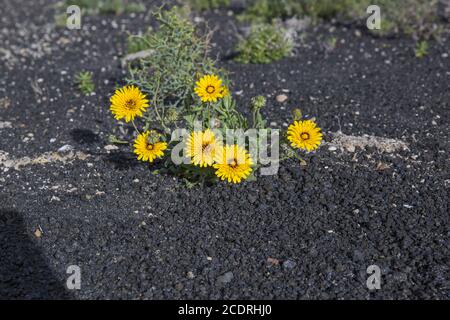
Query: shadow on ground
{"points": [[84, 136], [121, 160], [24, 273]]}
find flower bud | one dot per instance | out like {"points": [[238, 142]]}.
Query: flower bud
{"points": [[258, 103], [297, 114], [153, 137], [172, 115]]}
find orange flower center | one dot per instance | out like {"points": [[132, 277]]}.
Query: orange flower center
{"points": [[304, 135], [130, 104], [210, 89], [150, 147]]}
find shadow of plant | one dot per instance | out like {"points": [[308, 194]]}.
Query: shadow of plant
{"points": [[84, 136], [121, 160]]}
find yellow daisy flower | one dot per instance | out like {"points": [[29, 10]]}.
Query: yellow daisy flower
{"points": [[128, 102], [202, 147], [233, 163], [304, 135], [146, 149], [209, 88]]}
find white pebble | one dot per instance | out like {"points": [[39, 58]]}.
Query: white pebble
{"points": [[111, 147], [65, 148]]}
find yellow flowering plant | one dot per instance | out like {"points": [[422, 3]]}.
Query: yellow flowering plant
{"points": [[209, 158], [206, 112]]}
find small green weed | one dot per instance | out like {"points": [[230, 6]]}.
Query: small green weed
{"points": [[331, 43], [265, 44], [84, 82], [421, 49], [60, 20]]}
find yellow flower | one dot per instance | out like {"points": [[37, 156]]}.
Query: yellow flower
{"points": [[201, 147], [304, 135], [128, 102], [146, 149], [233, 163], [209, 88]]}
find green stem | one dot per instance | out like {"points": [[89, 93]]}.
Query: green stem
{"points": [[114, 140], [303, 162], [135, 128], [156, 104], [209, 115]]}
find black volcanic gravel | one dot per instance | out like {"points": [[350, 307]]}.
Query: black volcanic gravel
{"points": [[139, 235]]}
